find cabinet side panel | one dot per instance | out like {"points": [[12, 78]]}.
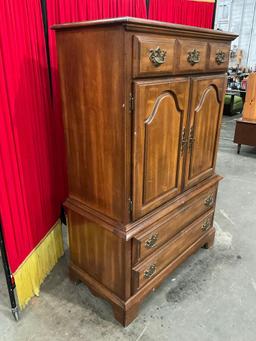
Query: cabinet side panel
{"points": [[99, 253], [91, 66]]}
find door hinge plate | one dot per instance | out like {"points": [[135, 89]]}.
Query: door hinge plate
{"points": [[131, 103], [130, 205]]}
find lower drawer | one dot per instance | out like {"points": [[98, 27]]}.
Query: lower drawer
{"points": [[150, 267], [147, 241]]}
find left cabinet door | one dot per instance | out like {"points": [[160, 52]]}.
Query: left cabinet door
{"points": [[159, 142]]}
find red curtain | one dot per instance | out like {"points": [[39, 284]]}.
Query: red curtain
{"points": [[32, 178], [32, 161], [186, 12]]}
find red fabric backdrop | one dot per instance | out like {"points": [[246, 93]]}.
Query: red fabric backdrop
{"points": [[32, 178], [32, 162], [185, 12]]}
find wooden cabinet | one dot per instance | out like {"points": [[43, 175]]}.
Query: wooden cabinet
{"points": [[142, 109]]}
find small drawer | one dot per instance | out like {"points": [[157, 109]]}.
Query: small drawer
{"points": [[147, 241], [219, 56], [191, 56], [152, 266], [153, 55]]}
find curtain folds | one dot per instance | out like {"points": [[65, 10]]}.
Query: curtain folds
{"points": [[32, 174], [32, 159], [186, 12]]}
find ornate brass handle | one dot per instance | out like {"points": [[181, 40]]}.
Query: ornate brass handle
{"points": [[193, 57], [209, 200], [151, 241], [183, 142], [149, 273], [220, 57], [191, 138], [206, 225], [157, 56]]}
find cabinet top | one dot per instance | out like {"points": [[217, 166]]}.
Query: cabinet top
{"points": [[131, 23]]}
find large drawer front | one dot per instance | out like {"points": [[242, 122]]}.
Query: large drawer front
{"points": [[147, 241], [148, 269], [163, 55]]}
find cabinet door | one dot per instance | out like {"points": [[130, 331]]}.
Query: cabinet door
{"points": [[204, 124], [159, 142]]}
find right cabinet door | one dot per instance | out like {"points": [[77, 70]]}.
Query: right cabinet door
{"points": [[204, 124]]}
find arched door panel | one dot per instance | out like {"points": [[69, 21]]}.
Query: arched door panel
{"points": [[160, 120], [204, 125]]}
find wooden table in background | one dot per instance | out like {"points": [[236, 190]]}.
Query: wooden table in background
{"points": [[245, 132]]}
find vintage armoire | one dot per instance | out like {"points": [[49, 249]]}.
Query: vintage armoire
{"points": [[142, 103]]}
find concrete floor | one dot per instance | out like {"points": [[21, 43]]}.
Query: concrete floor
{"points": [[212, 297]]}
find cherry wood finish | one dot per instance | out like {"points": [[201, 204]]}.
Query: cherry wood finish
{"points": [[142, 104], [205, 119], [146, 242], [142, 46], [159, 126], [221, 51], [150, 267]]}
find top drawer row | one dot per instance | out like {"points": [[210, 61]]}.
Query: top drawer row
{"points": [[155, 55]]}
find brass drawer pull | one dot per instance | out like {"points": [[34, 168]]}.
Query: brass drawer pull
{"points": [[206, 225], [193, 57], [209, 200], [220, 57], [151, 241], [157, 56], [149, 273]]}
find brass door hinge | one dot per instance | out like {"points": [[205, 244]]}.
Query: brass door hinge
{"points": [[130, 205], [131, 103]]}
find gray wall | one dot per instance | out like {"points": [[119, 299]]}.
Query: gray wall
{"points": [[239, 16]]}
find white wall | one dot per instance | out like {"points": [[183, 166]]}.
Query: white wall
{"points": [[239, 16]]}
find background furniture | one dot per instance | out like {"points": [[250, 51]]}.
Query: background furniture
{"points": [[233, 103], [245, 132], [142, 105]]}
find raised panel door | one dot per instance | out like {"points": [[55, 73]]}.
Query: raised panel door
{"points": [[159, 142], [204, 124]]}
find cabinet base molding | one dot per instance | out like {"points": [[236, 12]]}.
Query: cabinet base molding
{"points": [[126, 311]]}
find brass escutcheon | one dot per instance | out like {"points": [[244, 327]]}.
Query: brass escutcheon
{"points": [[183, 142], [157, 56], [220, 57], [206, 225], [193, 57], [209, 200], [150, 271], [151, 241]]}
